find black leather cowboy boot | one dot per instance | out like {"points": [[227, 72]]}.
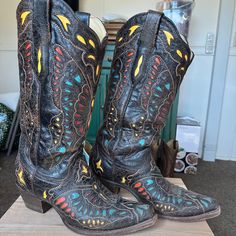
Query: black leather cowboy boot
{"points": [[150, 61], [59, 60]]}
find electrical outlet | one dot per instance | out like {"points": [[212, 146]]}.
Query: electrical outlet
{"points": [[210, 42]]}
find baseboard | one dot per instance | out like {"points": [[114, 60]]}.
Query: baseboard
{"points": [[226, 158]]}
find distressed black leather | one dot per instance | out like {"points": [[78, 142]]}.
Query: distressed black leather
{"points": [[149, 64], [60, 62], [84, 17]]}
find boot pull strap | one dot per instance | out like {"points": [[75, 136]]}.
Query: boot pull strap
{"points": [[150, 30], [41, 34], [147, 41], [84, 17]]}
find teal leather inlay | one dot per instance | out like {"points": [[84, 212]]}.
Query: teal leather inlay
{"points": [[174, 200], [69, 83], [75, 203], [150, 182], [62, 149], [75, 195], [168, 86], [145, 207], [180, 200], [112, 211], [104, 212], [205, 203], [142, 142], [80, 208], [78, 79], [140, 211], [123, 213], [159, 88], [208, 199]]}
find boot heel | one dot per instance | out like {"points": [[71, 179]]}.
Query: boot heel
{"points": [[112, 187], [34, 203]]}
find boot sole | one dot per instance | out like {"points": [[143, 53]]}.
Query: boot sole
{"points": [[42, 206], [124, 231], [208, 215], [202, 217]]}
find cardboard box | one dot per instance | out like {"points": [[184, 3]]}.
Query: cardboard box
{"points": [[188, 137]]}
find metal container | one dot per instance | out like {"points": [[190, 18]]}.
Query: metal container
{"points": [[179, 11]]}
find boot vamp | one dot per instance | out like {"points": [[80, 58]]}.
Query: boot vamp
{"points": [[85, 201], [172, 200]]}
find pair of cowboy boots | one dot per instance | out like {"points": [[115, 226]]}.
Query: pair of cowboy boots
{"points": [[60, 57]]}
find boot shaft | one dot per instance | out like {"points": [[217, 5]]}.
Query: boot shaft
{"points": [[60, 61], [150, 61]]}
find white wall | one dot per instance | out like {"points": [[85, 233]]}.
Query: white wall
{"points": [[126, 8], [194, 93], [8, 46], [226, 148]]}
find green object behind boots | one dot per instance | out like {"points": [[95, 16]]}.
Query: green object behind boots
{"points": [[6, 117], [150, 61], [60, 58]]}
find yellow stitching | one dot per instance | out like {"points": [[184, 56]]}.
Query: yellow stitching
{"points": [[65, 21], [23, 16], [97, 70], [91, 57], [39, 61], [21, 178], [81, 39], [99, 165], [133, 29], [45, 195], [140, 61], [179, 53], [85, 170], [169, 36], [123, 181], [92, 43]]}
